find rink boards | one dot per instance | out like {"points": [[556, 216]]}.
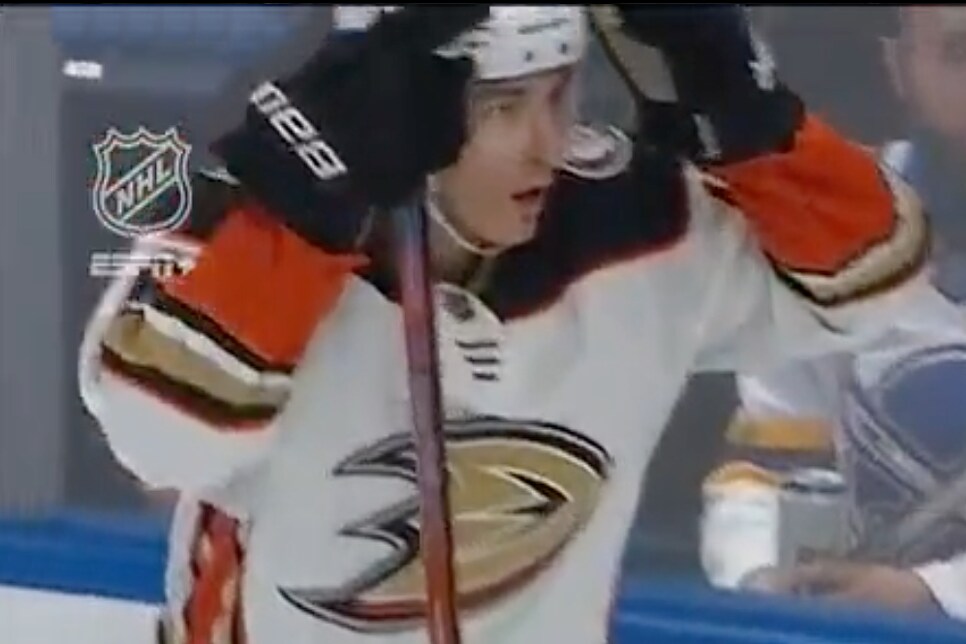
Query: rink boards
{"points": [[97, 580]]}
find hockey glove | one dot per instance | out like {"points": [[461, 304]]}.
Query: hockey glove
{"points": [[705, 85], [360, 125]]}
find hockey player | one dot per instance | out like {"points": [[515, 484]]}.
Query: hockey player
{"points": [[889, 420], [581, 276]]}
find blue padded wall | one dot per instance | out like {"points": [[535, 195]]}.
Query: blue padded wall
{"points": [[122, 556]]}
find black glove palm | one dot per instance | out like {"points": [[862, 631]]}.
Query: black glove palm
{"points": [[712, 94]]}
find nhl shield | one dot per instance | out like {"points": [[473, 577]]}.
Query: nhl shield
{"points": [[142, 183]]}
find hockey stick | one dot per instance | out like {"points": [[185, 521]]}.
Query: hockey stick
{"points": [[436, 543]]}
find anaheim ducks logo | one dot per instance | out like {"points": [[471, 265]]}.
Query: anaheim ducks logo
{"points": [[519, 494]]}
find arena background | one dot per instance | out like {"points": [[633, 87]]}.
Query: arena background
{"points": [[72, 521]]}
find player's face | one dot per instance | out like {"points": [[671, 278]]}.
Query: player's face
{"points": [[497, 190], [930, 68]]}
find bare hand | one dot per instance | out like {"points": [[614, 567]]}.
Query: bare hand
{"points": [[850, 582]]}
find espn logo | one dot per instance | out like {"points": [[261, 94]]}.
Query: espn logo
{"points": [[161, 265], [298, 131]]}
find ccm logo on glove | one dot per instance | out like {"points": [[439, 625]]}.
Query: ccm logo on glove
{"points": [[296, 129]]}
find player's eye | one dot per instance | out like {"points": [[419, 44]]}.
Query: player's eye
{"points": [[501, 107]]}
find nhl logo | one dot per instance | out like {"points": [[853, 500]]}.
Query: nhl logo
{"points": [[142, 183]]}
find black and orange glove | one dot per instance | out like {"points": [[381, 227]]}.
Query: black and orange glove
{"points": [[360, 125]]}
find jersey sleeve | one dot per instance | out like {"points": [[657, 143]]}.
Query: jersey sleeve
{"points": [[947, 583], [187, 373], [826, 251], [835, 223]]}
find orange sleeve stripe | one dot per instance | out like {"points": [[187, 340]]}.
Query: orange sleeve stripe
{"points": [[217, 567], [818, 206], [263, 285]]}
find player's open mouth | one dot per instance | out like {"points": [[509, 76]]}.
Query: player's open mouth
{"points": [[530, 197]]}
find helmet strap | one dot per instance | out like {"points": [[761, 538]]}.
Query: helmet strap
{"points": [[436, 212]]}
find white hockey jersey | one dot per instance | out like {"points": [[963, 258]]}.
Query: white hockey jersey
{"points": [[889, 419], [269, 386]]}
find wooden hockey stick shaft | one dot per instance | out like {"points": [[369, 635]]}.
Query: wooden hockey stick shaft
{"points": [[419, 321]]}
